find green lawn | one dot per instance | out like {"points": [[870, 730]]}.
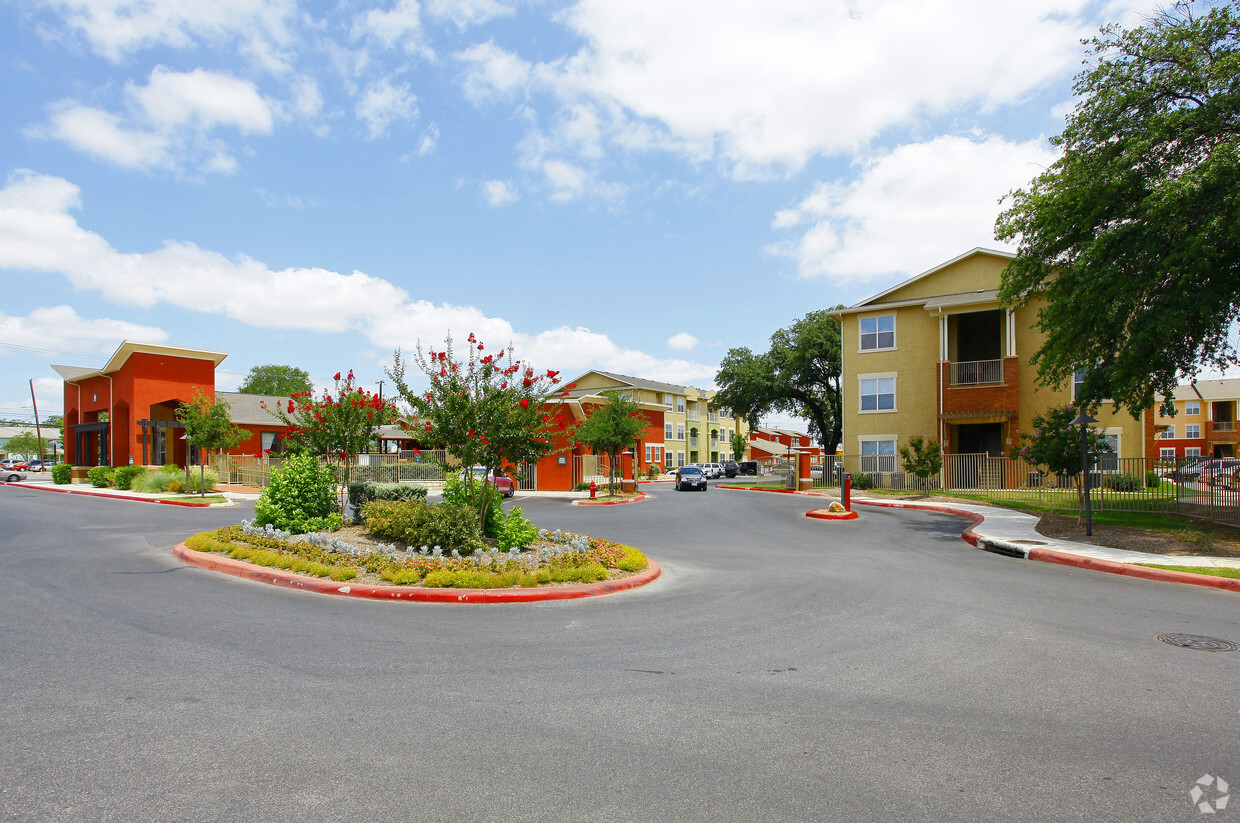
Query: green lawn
{"points": [[1213, 571]]}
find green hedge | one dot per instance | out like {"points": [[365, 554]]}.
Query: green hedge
{"points": [[123, 477], [368, 491], [100, 476], [416, 523], [62, 474]]}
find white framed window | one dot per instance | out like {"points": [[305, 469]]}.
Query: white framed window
{"points": [[1192, 407], [878, 454], [878, 333], [877, 392], [1192, 452], [680, 431], [680, 405], [680, 458], [1078, 379], [1166, 454], [1192, 431], [1169, 434], [667, 431], [667, 459], [649, 453]]}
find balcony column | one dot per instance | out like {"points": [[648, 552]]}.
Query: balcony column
{"points": [[1010, 323]]}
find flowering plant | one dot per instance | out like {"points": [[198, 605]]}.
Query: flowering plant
{"points": [[486, 410]]}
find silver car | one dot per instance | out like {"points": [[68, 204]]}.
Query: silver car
{"points": [[13, 475]]}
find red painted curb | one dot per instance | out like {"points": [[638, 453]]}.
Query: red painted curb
{"points": [[827, 514], [587, 502], [275, 577], [1114, 567], [114, 496]]}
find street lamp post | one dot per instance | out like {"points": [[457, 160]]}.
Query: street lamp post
{"points": [[1083, 420]]}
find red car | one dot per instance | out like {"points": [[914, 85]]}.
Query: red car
{"points": [[13, 465], [502, 482]]}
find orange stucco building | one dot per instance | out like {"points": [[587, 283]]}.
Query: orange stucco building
{"points": [[125, 412]]}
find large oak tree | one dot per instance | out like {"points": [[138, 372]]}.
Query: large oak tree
{"points": [[1132, 238]]}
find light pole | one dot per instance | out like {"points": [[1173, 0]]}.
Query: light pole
{"points": [[1083, 420]]}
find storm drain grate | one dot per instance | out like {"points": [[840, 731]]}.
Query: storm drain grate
{"points": [[1199, 643]]}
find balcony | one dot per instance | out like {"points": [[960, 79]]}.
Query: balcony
{"points": [[1222, 431], [694, 414], [980, 388], [977, 372]]}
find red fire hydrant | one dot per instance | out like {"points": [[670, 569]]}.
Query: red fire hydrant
{"points": [[593, 489]]}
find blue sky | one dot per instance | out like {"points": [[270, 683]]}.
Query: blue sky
{"points": [[633, 185]]}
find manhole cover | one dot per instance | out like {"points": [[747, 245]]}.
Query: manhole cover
{"points": [[1199, 643]]}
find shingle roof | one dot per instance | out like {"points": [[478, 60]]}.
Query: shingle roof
{"points": [[246, 408]]}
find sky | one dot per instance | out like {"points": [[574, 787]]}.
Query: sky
{"points": [[635, 186]]}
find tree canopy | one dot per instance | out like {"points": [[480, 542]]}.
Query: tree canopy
{"points": [[1132, 237], [24, 443], [612, 428], [282, 381], [799, 374]]}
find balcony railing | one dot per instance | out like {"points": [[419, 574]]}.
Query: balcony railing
{"points": [[1224, 425], [975, 372], [712, 417], [694, 414]]}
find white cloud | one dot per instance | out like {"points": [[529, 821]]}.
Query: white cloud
{"points": [[168, 122], [202, 100], [466, 13], [61, 327], [429, 141], [104, 137], [116, 28], [491, 73], [383, 104], [38, 234], [499, 193], [683, 341], [401, 25], [764, 87], [916, 205]]}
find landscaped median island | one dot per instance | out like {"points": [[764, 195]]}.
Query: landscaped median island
{"points": [[552, 558]]}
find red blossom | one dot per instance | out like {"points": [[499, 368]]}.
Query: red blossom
{"points": [[337, 377], [525, 404]]}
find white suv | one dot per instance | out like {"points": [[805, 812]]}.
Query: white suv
{"points": [[712, 469]]}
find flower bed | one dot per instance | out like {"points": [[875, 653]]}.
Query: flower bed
{"points": [[556, 558]]}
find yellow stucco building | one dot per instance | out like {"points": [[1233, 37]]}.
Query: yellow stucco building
{"points": [[937, 356]]}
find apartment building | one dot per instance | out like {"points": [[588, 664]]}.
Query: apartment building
{"points": [[1204, 424], [695, 428], [936, 356]]}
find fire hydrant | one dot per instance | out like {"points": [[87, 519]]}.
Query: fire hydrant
{"points": [[593, 489]]}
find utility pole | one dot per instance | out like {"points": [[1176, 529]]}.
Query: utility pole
{"points": [[37, 429]]}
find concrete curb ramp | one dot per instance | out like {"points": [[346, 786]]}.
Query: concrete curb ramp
{"points": [[1064, 558], [275, 577]]}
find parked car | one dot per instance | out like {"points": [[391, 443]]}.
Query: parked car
{"points": [[1219, 472], [1189, 472], [502, 481], [38, 466], [14, 464], [749, 467], [690, 477], [712, 470], [730, 469], [12, 475]]}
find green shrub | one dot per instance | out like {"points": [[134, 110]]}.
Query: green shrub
{"points": [[456, 493], [1121, 482], [581, 487], [62, 474], [653, 471], [158, 480], [862, 481], [516, 531], [366, 491], [206, 480], [123, 477], [300, 498], [1151, 479], [100, 476], [447, 525], [632, 561]]}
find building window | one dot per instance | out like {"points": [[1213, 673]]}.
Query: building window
{"points": [[878, 394], [1078, 379], [680, 405], [1169, 434], [1192, 431], [1192, 452], [1192, 407], [878, 332], [680, 431], [680, 458], [1109, 459], [1166, 454], [878, 455], [667, 431], [649, 453]]}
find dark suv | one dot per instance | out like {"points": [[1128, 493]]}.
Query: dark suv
{"points": [[730, 469], [749, 467]]}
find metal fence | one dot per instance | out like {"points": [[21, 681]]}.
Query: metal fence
{"points": [[1196, 487], [247, 470]]}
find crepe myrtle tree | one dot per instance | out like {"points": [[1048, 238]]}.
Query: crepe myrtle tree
{"points": [[1054, 445], [612, 428], [338, 425], [487, 410]]}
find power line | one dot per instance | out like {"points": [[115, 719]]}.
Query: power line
{"points": [[51, 351]]}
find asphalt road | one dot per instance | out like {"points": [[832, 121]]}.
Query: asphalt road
{"points": [[783, 669]]}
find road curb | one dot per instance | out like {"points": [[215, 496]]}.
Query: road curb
{"points": [[1097, 564], [275, 577], [1066, 558], [59, 490], [587, 502], [827, 514]]}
